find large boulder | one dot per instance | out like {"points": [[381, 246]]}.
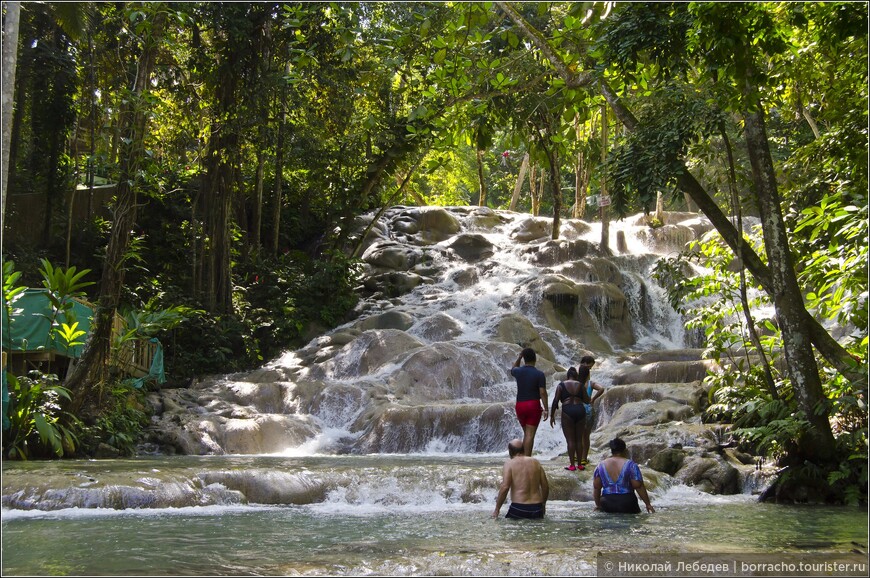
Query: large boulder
{"points": [[558, 251], [435, 224], [669, 460], [710, 473], [664, 372], [404, 429], [438, 327], [366, 354], [691, 395], [517, 329], [483, 219], [391, 255], [532, 229], [393, 284], [574, 229], [447, 372], [471, 247], [587, 311], [392, 319]]}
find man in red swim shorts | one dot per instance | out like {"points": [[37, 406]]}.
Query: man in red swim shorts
{"points": [[531, 394]]}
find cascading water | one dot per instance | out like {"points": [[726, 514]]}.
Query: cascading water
{"points": [[377, 447]]}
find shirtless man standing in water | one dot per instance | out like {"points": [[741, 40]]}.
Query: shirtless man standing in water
{"points": [[527, 482]]}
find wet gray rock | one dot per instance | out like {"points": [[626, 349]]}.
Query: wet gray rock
{"points": [[439, 327], [710, 474], [668, 460], [553, 252], [532, 229], [665, 372], [388, 320], [392, 255], [517, 329], [471, 247], [393, 284]]}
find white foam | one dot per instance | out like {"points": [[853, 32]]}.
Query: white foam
{"points": [[74, 513]]}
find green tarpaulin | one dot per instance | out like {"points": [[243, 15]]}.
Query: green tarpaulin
{"points": [[27, 327]]}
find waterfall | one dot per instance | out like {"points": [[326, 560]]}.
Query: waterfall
{"points": [[450, 296]]}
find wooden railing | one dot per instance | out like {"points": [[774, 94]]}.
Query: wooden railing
{"points": [[134, 356]]}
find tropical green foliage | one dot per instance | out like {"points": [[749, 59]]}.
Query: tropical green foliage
{"points": [[119, 426], [39, 427], [767, 422], [63, 286]]}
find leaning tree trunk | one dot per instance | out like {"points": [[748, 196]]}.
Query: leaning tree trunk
{"points": [[827, 346], [787, 297], [87, 378], [515, 199], [481, 179]]}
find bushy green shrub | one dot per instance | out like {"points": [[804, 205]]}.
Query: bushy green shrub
{"points": [[38, 426]]}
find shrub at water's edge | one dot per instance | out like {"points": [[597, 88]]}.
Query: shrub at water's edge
{"points": [[753, 391]]}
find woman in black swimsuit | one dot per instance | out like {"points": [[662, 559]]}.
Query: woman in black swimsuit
{"points": [[573, 397]]}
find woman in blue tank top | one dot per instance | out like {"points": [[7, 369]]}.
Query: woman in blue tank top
{"points": [[615, 482]]}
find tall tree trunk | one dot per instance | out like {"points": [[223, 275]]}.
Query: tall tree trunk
{"points": [[536, 188], [787, 297], [257, 209], [581, 174], [219, 204], [219, 186], [481, 179], [262, 137], [602, 209], [21, 83], [555, 189], [86, 379], [10, 60], [92, 113], [524, 167], [279, 170]]}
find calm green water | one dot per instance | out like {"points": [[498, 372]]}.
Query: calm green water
{"points": [[378, 515]]}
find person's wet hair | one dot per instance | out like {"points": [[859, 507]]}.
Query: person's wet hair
{"points": [[617, 446], [514, 448], [529, 355], [572, 374], [583, 374]]}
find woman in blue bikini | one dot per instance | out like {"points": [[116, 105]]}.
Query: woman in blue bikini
{"points": [[615, 482], [571, 393]]}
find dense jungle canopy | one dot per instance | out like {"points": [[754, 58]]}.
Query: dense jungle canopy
{"points": [[239, 142]]}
